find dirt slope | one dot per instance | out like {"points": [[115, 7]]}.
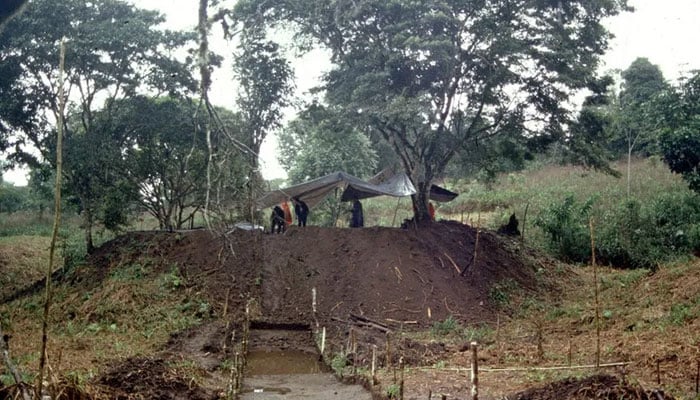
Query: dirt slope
{"points": [[385, 274]]}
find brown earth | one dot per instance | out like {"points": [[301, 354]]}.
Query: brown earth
{"points": [[368, 282]]}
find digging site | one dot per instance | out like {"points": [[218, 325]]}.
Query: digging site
{"points": [[311, 312]]}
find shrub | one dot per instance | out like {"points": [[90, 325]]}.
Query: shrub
{"points": [[566, 226]]}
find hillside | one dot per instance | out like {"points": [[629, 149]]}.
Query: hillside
{"points": [[165, 304]]}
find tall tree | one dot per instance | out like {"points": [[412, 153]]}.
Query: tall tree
{"points": [[115, 51], [165, 155], [320, 141], [679, 112], [434, 77], [633, 122]]}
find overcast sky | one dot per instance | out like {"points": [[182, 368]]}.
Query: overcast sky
{"points": [[664, 31]]}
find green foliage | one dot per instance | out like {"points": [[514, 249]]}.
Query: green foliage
{"points": [[404, 74], [446, 327], [680, 129], [393, 391], [642, 235], [339, 362], [110, 46], [566, 225], [322, 141]]}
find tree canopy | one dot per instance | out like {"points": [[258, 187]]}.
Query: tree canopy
{"points": [[679, 111], [115, 51], [434, 77]]}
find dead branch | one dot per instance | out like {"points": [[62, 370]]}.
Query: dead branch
{"points": [[360, 320], [453, 263]]}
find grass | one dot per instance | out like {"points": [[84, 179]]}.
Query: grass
{"points": [[131, 313]]}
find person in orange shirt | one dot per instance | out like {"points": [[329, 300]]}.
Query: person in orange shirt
{"points": [[287, 213]]}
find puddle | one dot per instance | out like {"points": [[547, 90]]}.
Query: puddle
{"points": [[287, 362]]}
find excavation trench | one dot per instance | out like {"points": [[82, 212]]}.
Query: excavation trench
{"points": [[283, 363]]}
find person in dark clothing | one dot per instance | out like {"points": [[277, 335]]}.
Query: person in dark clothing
{"points": [[301, 210], [277, 220], [357, 220]]}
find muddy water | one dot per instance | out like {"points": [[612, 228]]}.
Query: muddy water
{"points": [[282, 365]]}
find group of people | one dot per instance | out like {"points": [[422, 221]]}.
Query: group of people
{"points": [[282, 215]]}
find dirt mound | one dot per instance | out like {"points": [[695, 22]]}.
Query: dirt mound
{"points": [[151, 379], [388, 275], [594, 387]]}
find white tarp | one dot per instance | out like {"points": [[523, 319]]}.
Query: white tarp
{"points": [[312, 192]]}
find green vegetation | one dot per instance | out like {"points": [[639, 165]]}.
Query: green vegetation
{"points": [[659, 223]]}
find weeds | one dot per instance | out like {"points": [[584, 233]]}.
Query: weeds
{"points": [[446, 327]]}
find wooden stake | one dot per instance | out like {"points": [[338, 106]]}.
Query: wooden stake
{"points": [[374, 364], [658, 372], [401, 382], [697, 380], [474, 372], [313, 300], [388, 351], [597, 301], [323, 340], [569, 356]]}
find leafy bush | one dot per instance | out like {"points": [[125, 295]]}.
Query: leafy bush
{"points": [[566, 224], [642, 235]]}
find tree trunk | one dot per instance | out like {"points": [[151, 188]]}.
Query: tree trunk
{"points": [[420, 202]]}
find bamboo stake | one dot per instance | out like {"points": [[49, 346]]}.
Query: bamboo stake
{"points": [[388, 351], [56, 221], [374, 364], [476, 245], [597, 301], [474, 372], [323, 340], [401, 366]]}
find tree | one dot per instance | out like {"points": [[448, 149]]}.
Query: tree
{"points": [[633, 123], [165, 155], [679, 112], [114, 52], [434, 77], [320, 141]]}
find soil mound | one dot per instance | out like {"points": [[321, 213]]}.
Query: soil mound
{"points": [[387, 275], [594, 387]]}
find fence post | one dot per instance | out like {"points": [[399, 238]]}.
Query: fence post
{"points": [[474, 372]]}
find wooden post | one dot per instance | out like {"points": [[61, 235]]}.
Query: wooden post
{"points": [[697, 380], [658, 372], [401, 382], [374, 364], [323, 340], [597, 301], [313, 305], [474, 372], [569, 356], [388, 351], [354, 353], [236, 375]]}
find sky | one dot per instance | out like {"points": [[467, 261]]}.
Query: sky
{"points": [[664, 31]]}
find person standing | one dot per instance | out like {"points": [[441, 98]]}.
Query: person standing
{"points": [[287, 213], [301, 210], [357, 220], [277, 220]]}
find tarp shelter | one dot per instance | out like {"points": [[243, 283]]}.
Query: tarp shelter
{"points": [[312, 192]]}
